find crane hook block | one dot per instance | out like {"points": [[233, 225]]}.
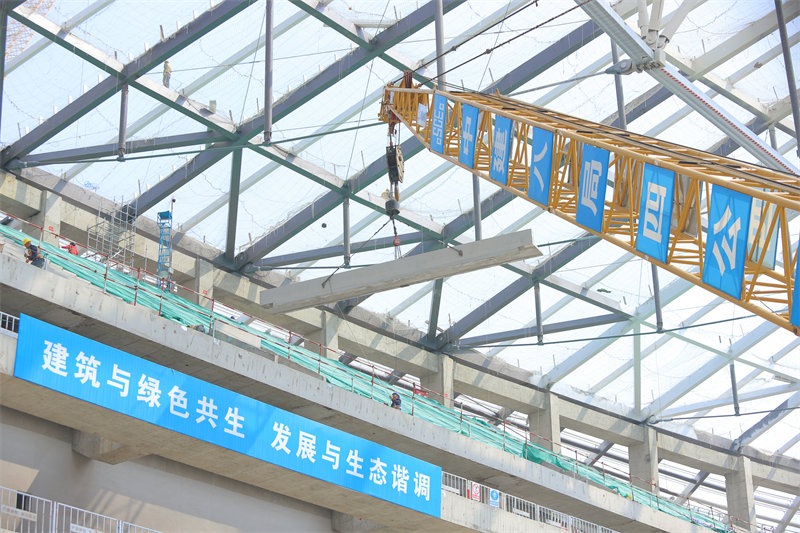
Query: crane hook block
{"points": [[392, 208], [394, 161]]}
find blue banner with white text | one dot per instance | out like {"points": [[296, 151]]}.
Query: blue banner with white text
{"points": [[592, 187], [541, 166], [438, 117], [655, 211], [469, 130], [500, 149], [85, 369], [726, 240], [759, 239]]}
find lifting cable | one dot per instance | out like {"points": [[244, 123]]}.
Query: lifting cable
{"points": [[488, 51], [607, 337]]}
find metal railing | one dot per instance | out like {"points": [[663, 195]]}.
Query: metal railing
{"points": [[25, 513], [475, 491], [9, 324]]}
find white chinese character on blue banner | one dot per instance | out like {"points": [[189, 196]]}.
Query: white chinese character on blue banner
{"points": [[592, 187], [541, 166], [438, 118], [726, 240], [768, 213], [500, 149], [469, 131], [206, 412], [794, 318], [655, 211]]}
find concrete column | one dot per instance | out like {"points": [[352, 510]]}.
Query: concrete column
{"points": [[48, 217], [203, 282], [545, 424], [326, 336], [643, 461], [441, 382], [739, 489]]}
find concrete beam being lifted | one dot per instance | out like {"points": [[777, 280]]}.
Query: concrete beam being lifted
{"points": [[401, 272]]}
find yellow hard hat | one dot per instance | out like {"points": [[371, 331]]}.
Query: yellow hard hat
{"points": [[25, 242]]}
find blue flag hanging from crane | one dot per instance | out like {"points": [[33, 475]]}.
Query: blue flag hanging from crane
{"points": [[726, 240], [438, 117], [655, 212], [541, 166], [592, 187], [500, 149], [469, 131]]}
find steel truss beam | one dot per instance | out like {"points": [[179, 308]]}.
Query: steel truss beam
{"points": [[740, 384], [759, 428], [332, 251], [669, 77], [129, 73], [369, 100], [351, 30], [708, 369], [514, 290], [658, 94], [377, 169], [723, 148], [106, 63], [39, 45], [788, 515], [532, 331], [111, 150], [198, 84], [291, 101]]}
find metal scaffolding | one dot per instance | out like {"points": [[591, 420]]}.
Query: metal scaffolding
{"points": [[112, 237]]}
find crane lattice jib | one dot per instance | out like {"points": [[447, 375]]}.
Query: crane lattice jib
{"points": [[728, 229]]}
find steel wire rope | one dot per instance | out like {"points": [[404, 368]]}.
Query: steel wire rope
{"points": [[28, 164], [605, 337], [497, 38], [309, 54], [357, 250], [488, 51], [364, 98], [701, 417], [350, 162], [252, 66]]}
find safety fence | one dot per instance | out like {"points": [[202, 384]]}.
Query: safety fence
{"points": [[200, 312], [475, 491], [26, 513]]}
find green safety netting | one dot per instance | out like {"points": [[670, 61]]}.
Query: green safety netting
{"points": [[174, 307]]}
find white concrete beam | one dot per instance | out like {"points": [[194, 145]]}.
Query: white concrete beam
{"points": [[401, 272]]}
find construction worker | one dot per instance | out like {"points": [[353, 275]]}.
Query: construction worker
{"points": [[71, 248], [167, 74], [33, 254], [395, 401]]}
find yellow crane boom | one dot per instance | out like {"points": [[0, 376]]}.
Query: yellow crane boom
{"points": [[716, 222]]}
